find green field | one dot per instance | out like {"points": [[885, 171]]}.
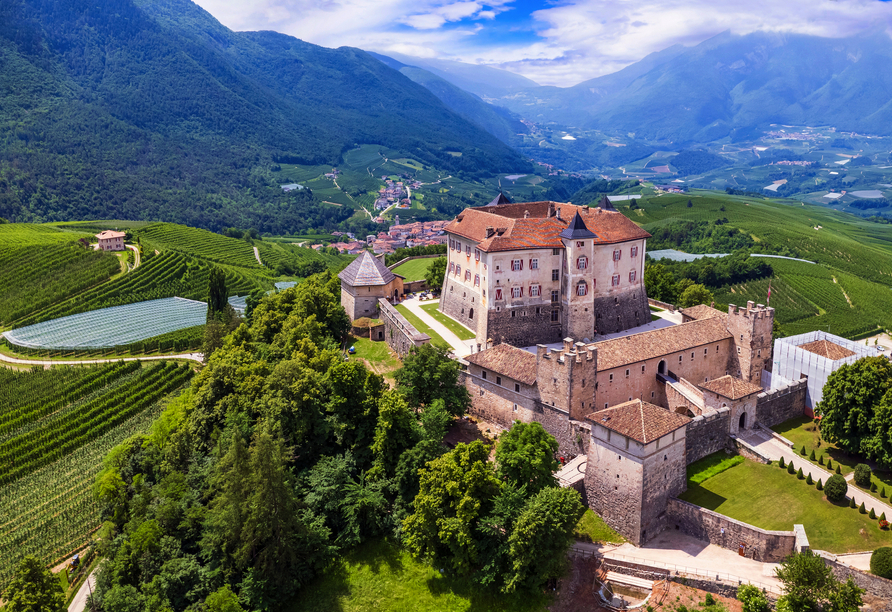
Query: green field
{"points": [[451, 324], [421, 326], [414, 269], [768, 497], [592, 528], [380, 576], [31, 235], [56, 426], [378, 355], [199, 243]]}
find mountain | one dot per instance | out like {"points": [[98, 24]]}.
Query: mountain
{"points": [[152, 109], [498, 121], [730, 83], [485, 81]]}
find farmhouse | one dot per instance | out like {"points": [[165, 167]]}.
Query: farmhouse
{"points": [[110, 240]]}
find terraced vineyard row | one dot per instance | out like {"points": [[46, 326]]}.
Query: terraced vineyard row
{"points": [[20, 388], [160, 276], [28, 234], [199, 243], [64, 432], [31, 279]]}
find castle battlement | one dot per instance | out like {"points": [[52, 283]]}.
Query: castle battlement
{"points": [[577, 352], [705, 419], [753, 310]]}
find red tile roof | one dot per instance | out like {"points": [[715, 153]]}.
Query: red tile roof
{"points": [[664, 341], [509, 361], [528, 225], [702, 311], [639, 420], [825, 348], [732, 388]]}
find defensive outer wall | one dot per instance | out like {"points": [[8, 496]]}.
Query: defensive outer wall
{"points": [[398, 332]]}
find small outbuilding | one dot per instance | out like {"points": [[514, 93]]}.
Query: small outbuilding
{"points": [[110, 240], [364, 282]]}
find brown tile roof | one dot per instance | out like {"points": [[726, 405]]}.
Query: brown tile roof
{"points": [[732, 388], [103, 235], [825, 348], [639, 420], [366, 270], [664, 341], [702, 311], [514, 230], [509, 361]]}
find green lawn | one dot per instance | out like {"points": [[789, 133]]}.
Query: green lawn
{"points": [[592, 528], [414, 269], [421, 326], [451, 324], [376, 353], [768, 497], [380, 576], [802, 431]]}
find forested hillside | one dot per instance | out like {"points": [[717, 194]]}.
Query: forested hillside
{"points": [[151, 110]]}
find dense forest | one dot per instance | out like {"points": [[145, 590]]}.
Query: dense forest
{"points": [[125, 109], [283, 456]]}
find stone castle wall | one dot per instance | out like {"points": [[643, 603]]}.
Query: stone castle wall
{"points": [[665, 477], [613, 487], [573, 437], [458, 302], [707, 434], [873, 585], [706, 525], [525, 328], [615, 314], [398, 332], [495, 403], [782, 404]]}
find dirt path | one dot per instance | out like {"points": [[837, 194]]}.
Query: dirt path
{"points": [[257, 256], [48, 362], [137, 259]]}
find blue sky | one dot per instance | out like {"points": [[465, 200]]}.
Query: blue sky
{"points": [[554, 43]]}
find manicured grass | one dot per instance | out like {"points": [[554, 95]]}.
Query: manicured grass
{"points": [[592, 528], [414, 269], [711, 465], [770, 498], [421, 326], [376, 353], [451, 324], [380, 576], [803, 431]]}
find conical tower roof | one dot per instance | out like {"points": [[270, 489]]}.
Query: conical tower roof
{"points": [[500, 199], [366, 270], [577, 229], [604, 204]]}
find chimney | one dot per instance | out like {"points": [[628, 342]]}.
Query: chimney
{"points": [[550, 209], [526, 214], [489, 232], [557, 213]]}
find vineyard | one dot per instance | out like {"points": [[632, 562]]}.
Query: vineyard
{"points": [[198, 243], [34, 278], [56, 426], [159, 276], [28, 234]]}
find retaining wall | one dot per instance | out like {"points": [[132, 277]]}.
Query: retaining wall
{"points": [[707, 434], [873, 585], [398, 332], [706, 525]]}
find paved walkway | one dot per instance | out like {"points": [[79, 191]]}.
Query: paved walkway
{"points": [[44, 362], [462, 348], [80, 600], [774, 449], [679, 552]]}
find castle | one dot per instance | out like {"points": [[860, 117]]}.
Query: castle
{"points": [[640, 407], [537, 272]]}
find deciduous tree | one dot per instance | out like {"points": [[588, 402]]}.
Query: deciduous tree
{"points": [[525, 457], [34, 589], [428, 374]]}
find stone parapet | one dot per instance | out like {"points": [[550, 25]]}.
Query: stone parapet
{"points": [[399, 334]]}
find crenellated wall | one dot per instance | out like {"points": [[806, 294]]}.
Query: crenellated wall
{"points": [[782, 404], [707, 434]]}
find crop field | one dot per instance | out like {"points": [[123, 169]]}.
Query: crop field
{"points": [[273, 253], [199, 243], [56, 426], [114, 326], [28, 234], [34, 278]]}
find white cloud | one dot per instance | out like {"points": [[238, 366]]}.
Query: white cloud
{"points": [[572, 40]]}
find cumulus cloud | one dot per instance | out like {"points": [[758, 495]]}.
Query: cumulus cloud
{"points": [[561, 43]]}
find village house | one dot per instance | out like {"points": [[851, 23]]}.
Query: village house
{"points": [[110, 240]]}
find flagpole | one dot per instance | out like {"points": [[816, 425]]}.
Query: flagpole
{"points": [[768, 301]]}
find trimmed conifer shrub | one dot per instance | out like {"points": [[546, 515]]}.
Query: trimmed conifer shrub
{"points": [[883, 516], [821, 460], [802, 450], [872, 514], [820, 485], [862, 509], [883, 492], [809, 479], [781, 463], [873, 487], [829, 463], [838, 471], [852, 503], [800, 475], [812, 456], [790, 468]]}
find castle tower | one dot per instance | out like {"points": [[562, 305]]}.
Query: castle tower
{"points": [[577, 286], [566, 378], [751, 329]]}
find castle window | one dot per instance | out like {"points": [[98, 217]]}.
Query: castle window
{"points": [[516, 387], [716, 348], [679, 358], [451, 268], [605, 408], [483, 374], [516, 292], [632, 275], [627, 372], [554, 296], [477, 254], [634, 252], [457, 245], [617, 254], [651, 395], [738, 350], [692, 355], [482, 392], [458, 270], [498, 267], [467, 275], [705, 351], [451, 243], [535, 290], [665, 458], [476, 279], [516, 265], [484, 293], [580, 245], [515, 407], [582, 263], [555, 251], [759, 353], [615, 281], [555, 275], [513, 314], [611, 378], [499, 380], [582, 288], [537, 310], [534, 264], [555, 316], [498, 293], [642, 369]]}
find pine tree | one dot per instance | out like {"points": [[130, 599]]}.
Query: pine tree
{"points": [[862, 509], [872, 514], [820, 485], [790, 468], [838, 471], [781, 463], [812, 456], [883, 516], [829, 463], [799, 474], [802, 450], [809, 479], [852, 503], [883, 492], [873, 487], [821, 460]]}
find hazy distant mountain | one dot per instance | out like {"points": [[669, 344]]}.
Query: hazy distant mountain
{"points": [[152, 108], [484, 81], [498, 121]]}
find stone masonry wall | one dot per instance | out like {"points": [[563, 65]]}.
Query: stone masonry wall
{"points": [[707, 434], [495, 403], [706, 525], [783, 404], [664, 478], [874, 585], [524, 328], [573, 436], [457, 301], [398, 333], [615, 314], [613, 481]]}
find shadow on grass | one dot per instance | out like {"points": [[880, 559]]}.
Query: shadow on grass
{"points": [[485, 601], [702, 497]]}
